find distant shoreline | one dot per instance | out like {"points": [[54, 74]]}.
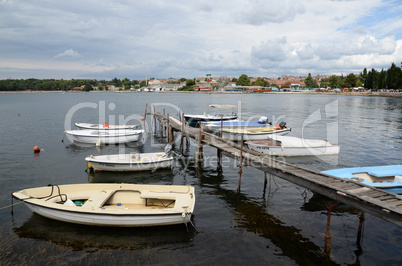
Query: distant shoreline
{"points": [[378, 94]]}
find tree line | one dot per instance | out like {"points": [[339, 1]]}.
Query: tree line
{"points": [[61, 84], [369, 79]]}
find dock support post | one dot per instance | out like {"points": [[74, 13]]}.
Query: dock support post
{"points": [[241, 163], [199, 150], [359, 250], [154, 120], [359, 232], [182, 132], [329, 207], [265, 184], [328, 236], [219, 155], [168, 129], [221, 126]]}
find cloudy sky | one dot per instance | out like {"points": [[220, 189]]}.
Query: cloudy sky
{"points": [[103, 39]]}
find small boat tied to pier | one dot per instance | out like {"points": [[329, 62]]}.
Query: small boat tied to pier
{"points": [[114, 205]]}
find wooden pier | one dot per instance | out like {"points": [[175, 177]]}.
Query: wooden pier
{"points": [[380, 203]]}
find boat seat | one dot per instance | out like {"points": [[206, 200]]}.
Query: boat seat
{"points": [[384, 173], [178, 199], [97, 199]]}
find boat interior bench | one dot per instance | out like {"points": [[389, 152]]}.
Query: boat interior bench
{"points": [[151, 198], [97, 198]]}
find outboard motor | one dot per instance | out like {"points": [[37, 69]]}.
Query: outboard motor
{"points": [[263, 120], [282, 125], [168, 149]]}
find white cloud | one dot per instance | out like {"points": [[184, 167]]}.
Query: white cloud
{"points": [[69, 54], [185, 39], [258, 12], [271, 50]]}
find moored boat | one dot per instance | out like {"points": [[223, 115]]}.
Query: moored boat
{"points": [[105, 137], [118, 205], [131, 162], [216, 126], [386, 177], [104, 126], [258, 133], [293, 146], [195, 120]]}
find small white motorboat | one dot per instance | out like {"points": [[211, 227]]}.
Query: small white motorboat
{"points": [[118, 205], [131, 162], [293, 146], [195, 120], [105, 136], [104, 126], [259, 133], [385, 177]]}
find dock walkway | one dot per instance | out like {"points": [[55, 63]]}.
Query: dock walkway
{"points": [[380, 203]]}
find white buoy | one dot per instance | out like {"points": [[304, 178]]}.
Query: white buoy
{"points": [[98, 142]]}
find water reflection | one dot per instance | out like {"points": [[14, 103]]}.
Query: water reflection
{"points": [[80, 237]]}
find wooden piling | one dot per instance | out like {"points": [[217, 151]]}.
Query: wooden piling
{"points": [[241, 163], [168, 129]]}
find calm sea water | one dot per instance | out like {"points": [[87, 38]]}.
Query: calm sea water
{"points": [[281, 223]]}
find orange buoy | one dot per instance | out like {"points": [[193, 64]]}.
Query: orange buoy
{"points": [[36, 149], [142, 118]]}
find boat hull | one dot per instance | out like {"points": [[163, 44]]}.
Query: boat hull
{"points": [[216, 126], [110, 220], [115, 205], [294, 151], [103, 127], [196, 120], [130, 162], [388, 178], [237, 136], [105, 137]]}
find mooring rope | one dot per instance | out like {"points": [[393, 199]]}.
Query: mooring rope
{"points": [[11, 205]]}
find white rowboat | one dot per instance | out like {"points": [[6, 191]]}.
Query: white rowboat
{"points": [[121, 205], [293, 146], [104, 126], [130, 162], [235, 134], [105, 136]]}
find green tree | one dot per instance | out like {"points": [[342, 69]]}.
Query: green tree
{"points": [[143, 83], [243, 80], [88, 87], [350, 81], [260, 82], [190, 82], [394, 77], [310, 82], [333, 81]]}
